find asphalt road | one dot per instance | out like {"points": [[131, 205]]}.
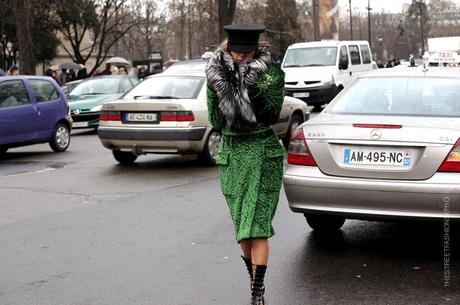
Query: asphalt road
{"points": [[78, 229]]}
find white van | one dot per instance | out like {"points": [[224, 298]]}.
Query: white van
{"points": [[317, 71]]}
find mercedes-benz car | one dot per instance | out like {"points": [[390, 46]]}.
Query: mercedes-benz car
{"points": [[167, 113], [386, 147]]}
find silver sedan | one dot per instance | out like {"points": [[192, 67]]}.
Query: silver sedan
{"points": [[167, 113], [386, 147]]}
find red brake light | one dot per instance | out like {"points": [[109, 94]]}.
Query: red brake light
{"points": [[180, 116], [381, 126], [298, 151], [452, 162], [110, 116]]}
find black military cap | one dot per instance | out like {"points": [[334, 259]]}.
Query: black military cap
{"points": [[243, 38]]}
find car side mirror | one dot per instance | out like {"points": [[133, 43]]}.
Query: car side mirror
{"points": [[343, 64]]}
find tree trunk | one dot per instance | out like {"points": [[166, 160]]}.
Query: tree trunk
{"points": [[24, 26], [226, 14]]}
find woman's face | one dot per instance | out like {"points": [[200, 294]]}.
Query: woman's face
{"points": [[241, 57]]}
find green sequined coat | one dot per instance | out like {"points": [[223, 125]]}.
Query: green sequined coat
{"points": [[251, 162]]}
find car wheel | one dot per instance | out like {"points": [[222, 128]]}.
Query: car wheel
{"points": [[124, 157], [325, 223], [295, 122], [60, 140], [211, 147]]}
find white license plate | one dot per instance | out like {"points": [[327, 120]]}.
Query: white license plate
{"points": [[301, 94], [141, 117], [80, 124], [399, 158]]}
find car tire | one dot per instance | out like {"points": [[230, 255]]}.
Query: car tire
{"points": [[324, 223], [295, 122], [124, 157], [211, 147], [60, 140]]}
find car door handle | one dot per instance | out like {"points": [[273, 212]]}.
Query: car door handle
{"points": [[351, 73], [37, 110]]}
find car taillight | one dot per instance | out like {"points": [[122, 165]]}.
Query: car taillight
{"points": [[452, 162], [110, 116], [179, 116], [298, 151]]}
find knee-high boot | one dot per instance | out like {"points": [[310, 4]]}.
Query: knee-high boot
{"points": [[248, 263], [258, 289]]}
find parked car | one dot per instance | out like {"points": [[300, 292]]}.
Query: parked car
{"points": [[167, 113], [317, 71], [386, 147], [86, 99], [33, 110]]}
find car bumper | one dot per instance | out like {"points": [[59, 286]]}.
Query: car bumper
{"points": [[158, 140], [308, 190], [317, 95], [85, 120]]}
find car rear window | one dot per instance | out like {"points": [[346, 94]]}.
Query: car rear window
{"points": [[106, 85], [173, 87], [414, 96]]}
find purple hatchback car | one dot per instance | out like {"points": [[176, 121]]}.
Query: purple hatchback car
{"points": [[33, 110]]}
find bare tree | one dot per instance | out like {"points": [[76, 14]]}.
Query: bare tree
{"points": [[281, 20], [226, 15], [93, 27], [149, 35], [24, 28], [8, 37]]}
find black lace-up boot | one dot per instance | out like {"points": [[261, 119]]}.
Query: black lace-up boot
{"points": [[248, 263], [258, 290]]}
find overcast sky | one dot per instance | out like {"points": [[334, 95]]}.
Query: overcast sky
{"points": [[394, 6]]}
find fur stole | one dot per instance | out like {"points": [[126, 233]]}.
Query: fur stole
{"points": [[231, 81]]}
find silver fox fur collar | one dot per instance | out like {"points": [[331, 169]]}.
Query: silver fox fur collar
{"points": [[231, 81]]}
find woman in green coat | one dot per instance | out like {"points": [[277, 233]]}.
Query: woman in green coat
{"points": [[245, 96]]}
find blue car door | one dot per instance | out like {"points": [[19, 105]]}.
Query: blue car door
{"points": [[50, 105], [18, 116]]}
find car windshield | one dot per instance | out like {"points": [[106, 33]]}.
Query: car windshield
{"points": [[411, 96], [309, 57], [167, 87], [106, 85]]}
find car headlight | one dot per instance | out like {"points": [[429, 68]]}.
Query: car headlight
{"points": [[96, 108]]}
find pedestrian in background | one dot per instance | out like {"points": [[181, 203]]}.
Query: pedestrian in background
{"points": [[107, 70], [122, 70], [114, 70], [96, 72], [51, 73], [13, 70], [245, 96], [64, 77], [82, 74], [142, 73]]}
